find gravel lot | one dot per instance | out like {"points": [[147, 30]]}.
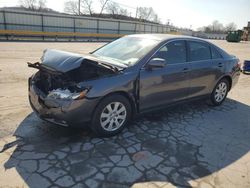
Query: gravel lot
{"points": [[188, 145]]}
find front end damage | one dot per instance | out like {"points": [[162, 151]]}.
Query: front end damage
{"points": [[56, 92]]}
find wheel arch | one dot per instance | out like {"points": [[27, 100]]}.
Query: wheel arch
{"points": [[129, 97], [229, 79]]}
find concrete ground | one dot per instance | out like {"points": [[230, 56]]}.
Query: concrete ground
{"points": [[189, 145]]}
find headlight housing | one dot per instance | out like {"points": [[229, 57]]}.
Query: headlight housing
{"points": [[66, 94]]}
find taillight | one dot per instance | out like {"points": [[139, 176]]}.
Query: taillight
{"points": [[238, 65]]}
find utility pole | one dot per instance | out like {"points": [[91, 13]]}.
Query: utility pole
{"points": [[168, 21], [79, 7], [136, 12]]}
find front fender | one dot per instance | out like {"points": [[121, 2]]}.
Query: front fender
{"points": [[124, 82]]}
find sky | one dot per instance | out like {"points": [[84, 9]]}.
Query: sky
{"points": [[182, 13]]}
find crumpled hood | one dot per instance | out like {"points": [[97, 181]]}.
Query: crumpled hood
{"points": [[65, 61], [60, 60]]}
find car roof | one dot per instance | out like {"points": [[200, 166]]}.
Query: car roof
{"points": [[163, 37]]}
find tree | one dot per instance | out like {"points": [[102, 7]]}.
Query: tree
{"points": [[217, 26], [87, 6], [41, 4], [147, 13], [144, 13], [208, 29], [156, 19], [123, 12], [34, 5], [230, 27], [112, 8], [205, 29], [115, 9], [29, 4], [71, 7], [103, 4]]}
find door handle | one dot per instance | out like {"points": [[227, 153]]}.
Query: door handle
{"points": [[220, 65], [185, 70]]}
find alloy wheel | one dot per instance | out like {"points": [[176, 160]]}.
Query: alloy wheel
{"points": [[113, 116], [220, 92]]}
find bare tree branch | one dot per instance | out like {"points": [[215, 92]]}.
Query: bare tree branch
{"points": [[103, 5], [71, 7], [41, 4], [123, 12], [29, 4], [112, 8], [115, 9], [87, 6], [147, 13], [217, 26], [230, 27], [156, 19], [34, 5]]}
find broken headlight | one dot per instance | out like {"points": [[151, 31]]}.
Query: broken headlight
{"points": [[66, 94]]}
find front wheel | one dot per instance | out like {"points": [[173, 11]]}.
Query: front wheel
{"points": [[111, 115], [219, 93]]}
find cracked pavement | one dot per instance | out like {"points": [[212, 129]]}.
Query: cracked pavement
{"points": [[188, 145]]}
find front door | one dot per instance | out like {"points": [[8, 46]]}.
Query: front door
{"points": [[168, 84]]}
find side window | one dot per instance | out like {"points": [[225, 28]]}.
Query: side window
{"points": [[174, 52], [215, 53], [199, 51]]}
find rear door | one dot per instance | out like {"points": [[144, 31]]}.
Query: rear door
{"points": [[206, 67], [168, 84]]}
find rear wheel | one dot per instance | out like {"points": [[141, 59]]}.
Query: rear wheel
{"points": [[219, 93], [111, 115]]}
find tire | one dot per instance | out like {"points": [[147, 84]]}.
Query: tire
{"points": [[111, 115], [220, 92]]}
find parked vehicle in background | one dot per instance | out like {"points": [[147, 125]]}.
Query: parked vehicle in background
{"points": [[131, 75], [245, 66]]}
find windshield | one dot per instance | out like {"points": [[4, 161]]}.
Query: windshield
{"points": [[126, 50]]}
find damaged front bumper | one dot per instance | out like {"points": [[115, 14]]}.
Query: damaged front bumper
{"points": [[61, 112]]}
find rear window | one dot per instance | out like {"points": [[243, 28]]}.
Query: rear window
{"points": [[199, 51]]}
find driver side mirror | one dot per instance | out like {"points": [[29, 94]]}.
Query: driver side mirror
{"points": [[156, 63]]}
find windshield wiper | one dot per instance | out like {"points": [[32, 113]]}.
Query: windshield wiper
{"points": [[110, 66], [118, 61]]}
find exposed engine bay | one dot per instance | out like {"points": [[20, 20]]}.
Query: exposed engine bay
{"points": [[65, 84]]}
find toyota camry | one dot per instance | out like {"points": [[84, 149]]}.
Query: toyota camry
{"points": [[131, 75]]}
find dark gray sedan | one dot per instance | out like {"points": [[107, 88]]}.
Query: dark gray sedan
{"points": [[131, 75]]}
